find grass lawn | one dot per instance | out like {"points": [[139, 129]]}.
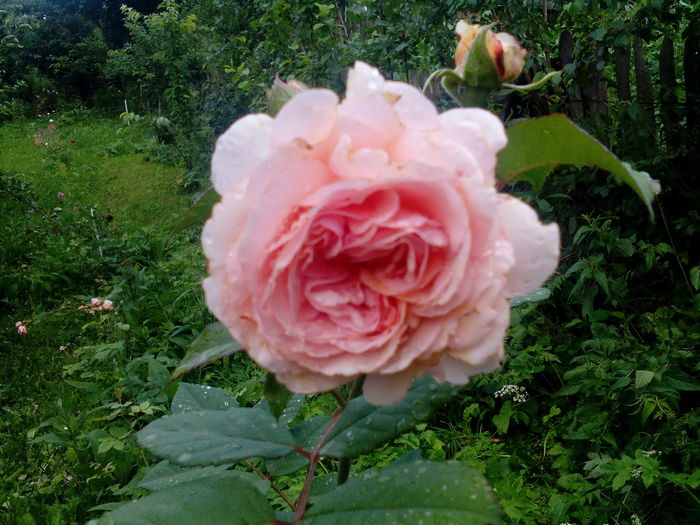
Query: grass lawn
{"points": [[94, 166]]}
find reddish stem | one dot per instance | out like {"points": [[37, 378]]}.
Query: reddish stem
{"points": [[313, 461]]}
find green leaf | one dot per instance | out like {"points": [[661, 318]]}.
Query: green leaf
{"points": [[363, 426], [212, 501], [502, 419], [620, 479], [213, 343], [538, 294], [559, 141], [200, 397], [213, 437], [200, 211], [276, 395], [642, 378], [406, 493], [524, 88], [165, 475], [307, 434]]}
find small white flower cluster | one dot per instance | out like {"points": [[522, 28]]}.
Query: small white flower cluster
{"points": [[650, 453], [636, 520], [636, 473], [517, 393]]}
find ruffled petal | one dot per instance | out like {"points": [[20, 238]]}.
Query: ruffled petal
{"points": [[239, 151], [309, 117], [535, 245]]}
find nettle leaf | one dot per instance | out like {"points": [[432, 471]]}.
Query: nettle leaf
{"points": [[213, 437], [363, 427], [212, 501], [642, 378], [200, 397], [165, 475], [406, 493], [213, 343], [560, 141]]}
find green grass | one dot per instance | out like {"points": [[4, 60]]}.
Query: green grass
{"points": [[50, 264], [94, 166]]}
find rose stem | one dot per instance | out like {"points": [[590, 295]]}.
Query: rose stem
{"points": [[313, 461], [272, 485], [344, 464]]}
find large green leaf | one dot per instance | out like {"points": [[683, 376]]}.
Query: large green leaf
{"points": [[200, 397], [363, 426], [307, 434], [213, 343], [536, 145], [165, 475], [213, 437], [212, 501], [407, 493]]}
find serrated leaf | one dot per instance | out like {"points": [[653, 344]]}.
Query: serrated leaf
{"points": [[200, 397], [214, 437], [642, 378], [406, 493], [559, 141], [227, 501], [213, 343], [165, 475], [276, 394], [363, 426]]}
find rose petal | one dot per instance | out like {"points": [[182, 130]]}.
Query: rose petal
{"points": [[535, 245], [380, 389], [239, 151], [309, 117]]}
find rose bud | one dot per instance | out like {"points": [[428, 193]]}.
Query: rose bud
{"points": [[507, 55], [22, 330], [95, 301]]}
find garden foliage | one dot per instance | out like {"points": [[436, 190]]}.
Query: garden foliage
{"points": [[594, 416]]}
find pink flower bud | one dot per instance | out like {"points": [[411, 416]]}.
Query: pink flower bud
{"points": [[107, 305], [18, 324], [60, 196], [22, 330], [507, 54], [95, 301]]}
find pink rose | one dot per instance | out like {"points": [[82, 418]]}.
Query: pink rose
{"points": [[95, 301], [367, 237], [107, 305], [22, 330]]}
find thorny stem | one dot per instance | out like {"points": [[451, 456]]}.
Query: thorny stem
{"points": [[313, 461], [272, 485]]}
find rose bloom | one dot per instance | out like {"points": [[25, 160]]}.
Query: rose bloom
{"points": [[367, 237], [95, 301]]}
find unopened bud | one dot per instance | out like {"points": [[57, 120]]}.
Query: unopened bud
{"points": [[506, 54]]}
